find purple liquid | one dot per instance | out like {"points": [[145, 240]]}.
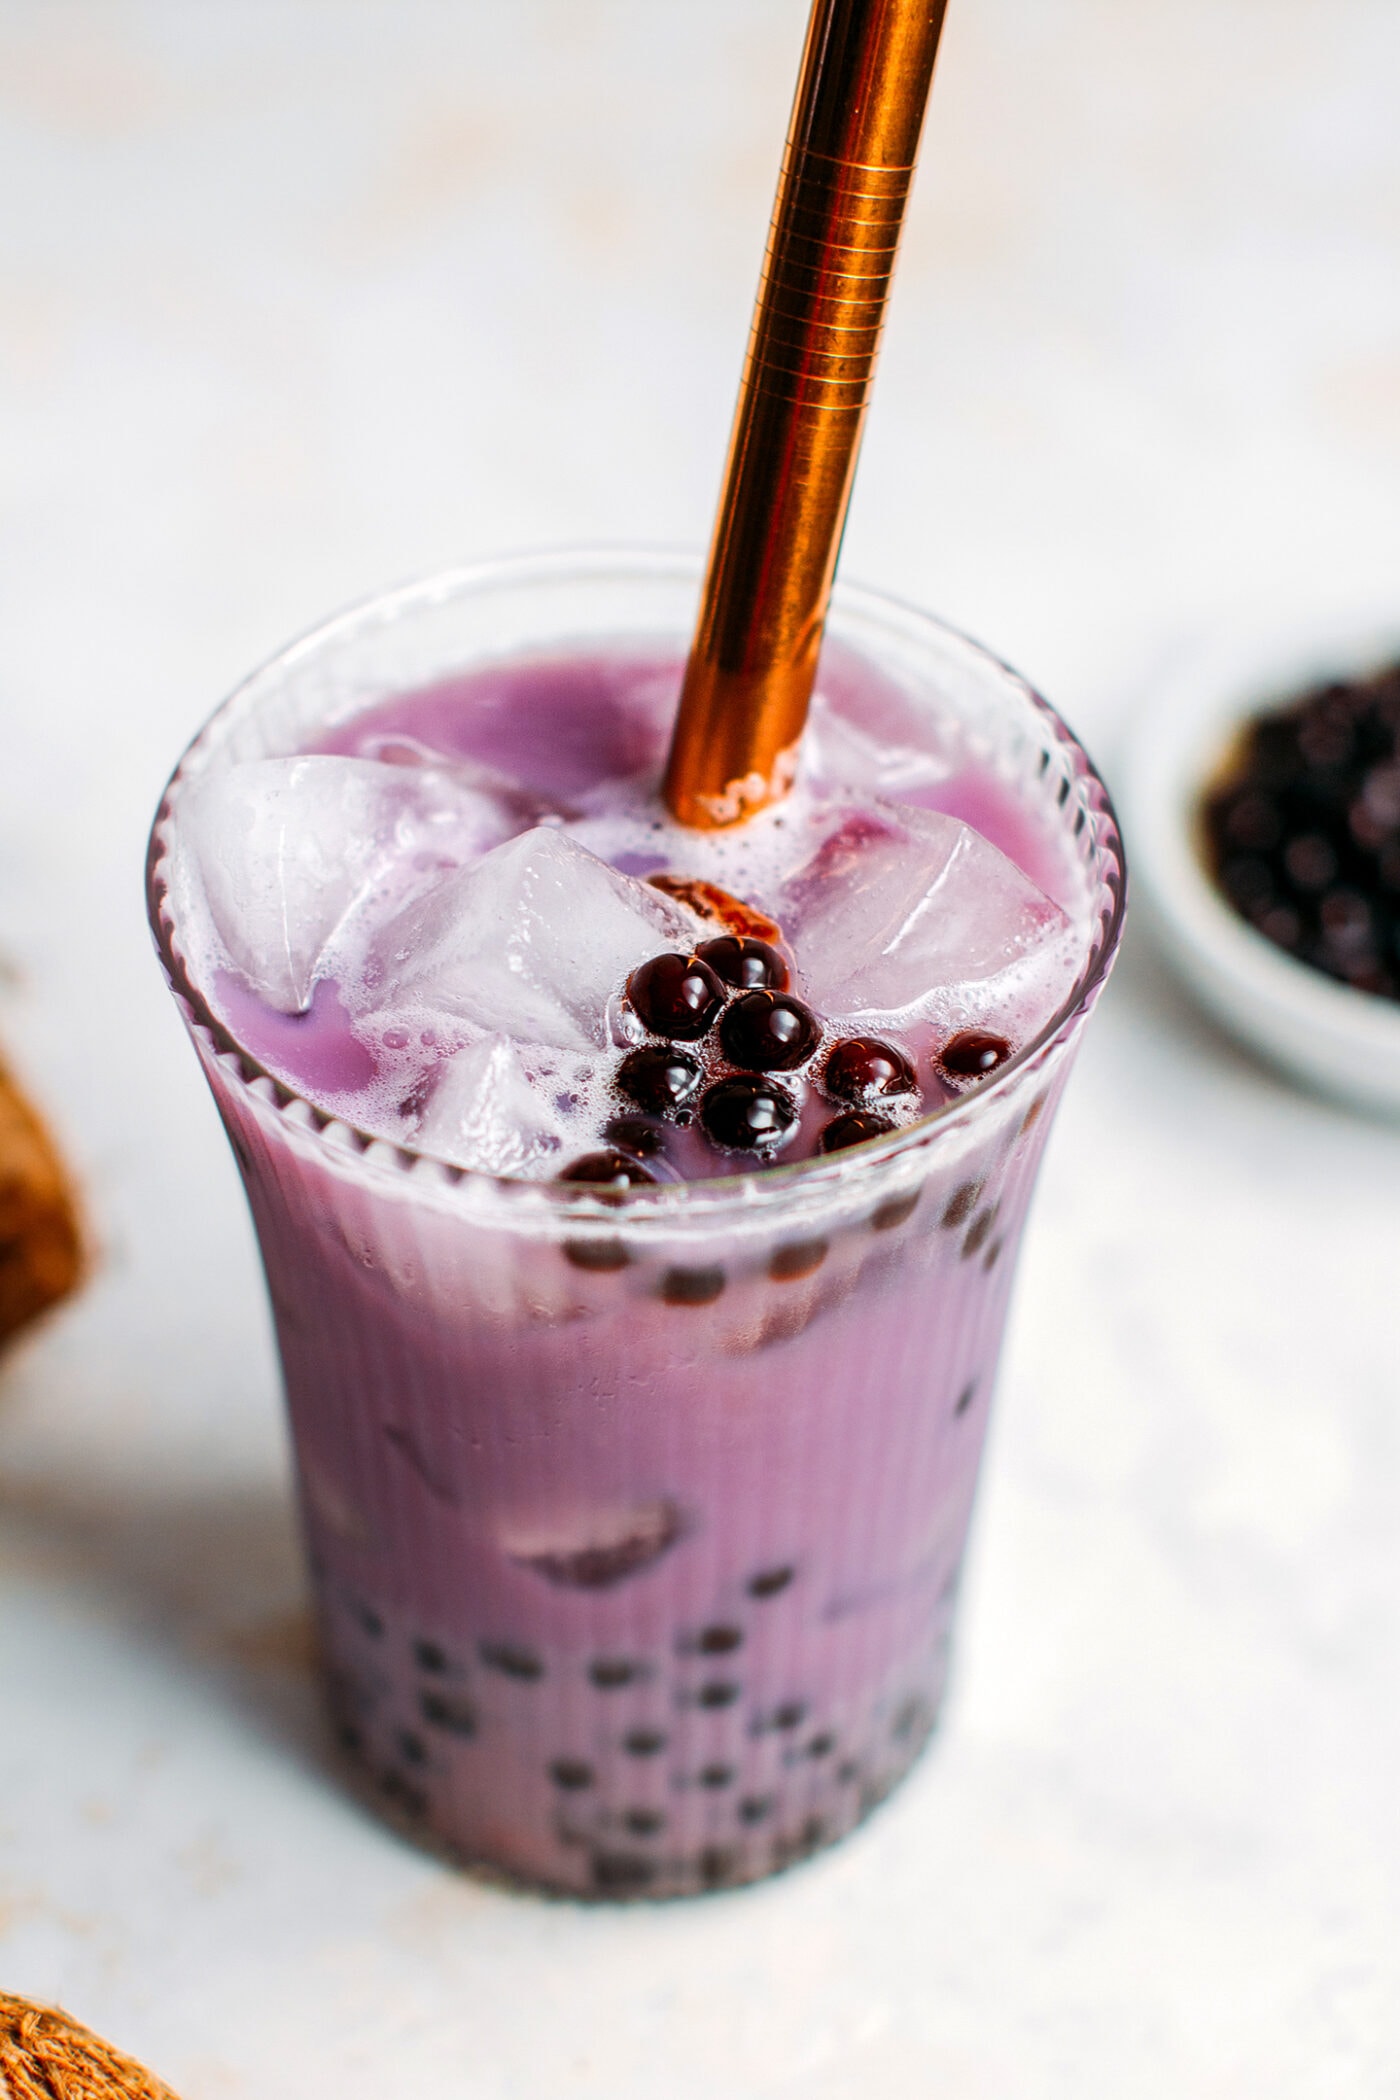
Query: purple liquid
{"points": [[636, 1536], [675, 1541]]}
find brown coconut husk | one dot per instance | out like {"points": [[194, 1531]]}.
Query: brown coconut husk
{"points": [[46, 2056], [41, 1253]]}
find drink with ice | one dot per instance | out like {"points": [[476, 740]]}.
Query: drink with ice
{"points": [[639, 1206]]}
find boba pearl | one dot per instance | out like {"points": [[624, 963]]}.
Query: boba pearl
{"points": [[749, 965], [608, 1170], [769, 1032], [677, 996], [658, 1079], [853, 1129], [862, 1069], [747, 1115], [1302, 829], [635, 1134], [973, 1054]]}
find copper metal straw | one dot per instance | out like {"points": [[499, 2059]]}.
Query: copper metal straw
{"points": [[851, 148]]}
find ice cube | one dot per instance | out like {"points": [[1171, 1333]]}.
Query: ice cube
{"points": [[532, 941], [485, 1113], [836, 749], [595, 1549], [903, 909], [868, 731], [283, 851]]}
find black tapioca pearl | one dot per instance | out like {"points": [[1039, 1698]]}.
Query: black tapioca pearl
{"points": [[756, 1809], [661, 1080], [520, 1663], [635, 1134], [791, 1714], [965, 1398], [1348, 924], [622, 1873], [644, 1822], [1310, 863], [715, 1697], [602, 1256], [718, 1864], [770, 1582], [407, 1797], [847, 1772], [747, 1115], [799, 1258], [369, 1620], [895, 1212], [614, 1171], [963, 1202], [719, 1640], [856, 1127], [350, 1737], [611, 1673], [716, 1777], [691, 1286], [769, 1032], [750, 965], [571, 1774], [644, 1742], [412, 1748], [431, 1656], [1282, 925], [1251, 821], [821, 1746], [798, 1844], [1248, 882], [677, 996], [992, 1255], [973, 1054], [977, 1232], [863, 1070], [445, 1710]]}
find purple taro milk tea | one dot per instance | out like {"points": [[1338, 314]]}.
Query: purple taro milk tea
{"points": [[639, 1209]]}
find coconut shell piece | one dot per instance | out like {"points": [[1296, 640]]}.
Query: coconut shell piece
{"points": [[46, 2056], [40, 1242]]}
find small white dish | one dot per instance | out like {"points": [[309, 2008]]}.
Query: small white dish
{"points": [[1337, 1041]]}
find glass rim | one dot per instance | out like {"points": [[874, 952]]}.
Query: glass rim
{"points": [[663, 1204]]}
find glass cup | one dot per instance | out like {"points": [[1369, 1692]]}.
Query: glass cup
{"points": [[635, 1522]]}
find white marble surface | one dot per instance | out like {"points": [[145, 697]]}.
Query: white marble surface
{"points": [[297, 299]]}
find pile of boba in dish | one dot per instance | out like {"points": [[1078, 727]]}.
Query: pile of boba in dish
{"points": [[1302, 830]]}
